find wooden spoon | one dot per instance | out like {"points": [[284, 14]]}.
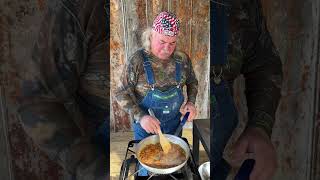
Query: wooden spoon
{"points": [[164, 142]]}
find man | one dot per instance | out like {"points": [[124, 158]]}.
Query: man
{"points": [[154, 77], [154, 71], [251, 52], [64, 88]]}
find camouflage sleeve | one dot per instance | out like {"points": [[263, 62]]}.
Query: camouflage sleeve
{"points": [[125, 94], [191, 82], [49, 80], [262, 71]]}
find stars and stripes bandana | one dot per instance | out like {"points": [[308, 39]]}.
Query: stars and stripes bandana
{"points": [[166, 23]]}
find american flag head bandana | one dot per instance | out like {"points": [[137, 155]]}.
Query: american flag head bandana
{"points": [[166, 23]]}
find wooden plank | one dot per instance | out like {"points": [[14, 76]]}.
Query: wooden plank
{"points": [[141, 11], [199, 41], [132, 27], [293, 132], [183, 11], [119, 119]]}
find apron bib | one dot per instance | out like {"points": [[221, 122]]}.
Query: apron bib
{"points": [[165, 104]]}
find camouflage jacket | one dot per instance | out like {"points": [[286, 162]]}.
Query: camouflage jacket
{"points": [[133, 86], [68, 67], [253, 54]]}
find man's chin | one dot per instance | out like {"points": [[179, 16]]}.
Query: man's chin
{"points": [[164, 57]]}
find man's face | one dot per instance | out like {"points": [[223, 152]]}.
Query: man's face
{"points": [[162, 46]]}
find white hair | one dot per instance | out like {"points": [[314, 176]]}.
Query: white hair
{"points": [[146, 39]]}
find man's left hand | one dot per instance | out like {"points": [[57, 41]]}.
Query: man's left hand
{"points": [[189, 107], [256, 141]]}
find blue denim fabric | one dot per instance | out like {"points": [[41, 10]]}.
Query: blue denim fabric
{"points": [[166, 106], [224, 120]]}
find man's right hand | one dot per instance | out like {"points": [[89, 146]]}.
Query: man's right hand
{"points": [[150, 124], [255, 140]]}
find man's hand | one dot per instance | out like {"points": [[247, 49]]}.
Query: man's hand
{"points": [[189, 107], [150, 124], [255, 140]]}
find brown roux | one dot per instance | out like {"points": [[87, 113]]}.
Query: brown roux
{"points": [[153, 156]]}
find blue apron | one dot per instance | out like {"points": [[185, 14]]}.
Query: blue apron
{"points": [[165, 104]]}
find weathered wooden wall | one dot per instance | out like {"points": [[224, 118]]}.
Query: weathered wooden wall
{"points": [[294, 26], [130, 18], [19, 28]]}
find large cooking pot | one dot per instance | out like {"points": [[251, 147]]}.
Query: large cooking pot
{"points": [[155, 139]]}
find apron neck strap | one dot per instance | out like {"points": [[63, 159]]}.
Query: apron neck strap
{"points": [[148, 69], [178, 72]]}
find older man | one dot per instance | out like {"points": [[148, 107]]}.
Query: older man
{"points": [[154, 77]]}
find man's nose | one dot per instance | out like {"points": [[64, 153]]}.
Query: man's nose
{"points": [[166, 47]]}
